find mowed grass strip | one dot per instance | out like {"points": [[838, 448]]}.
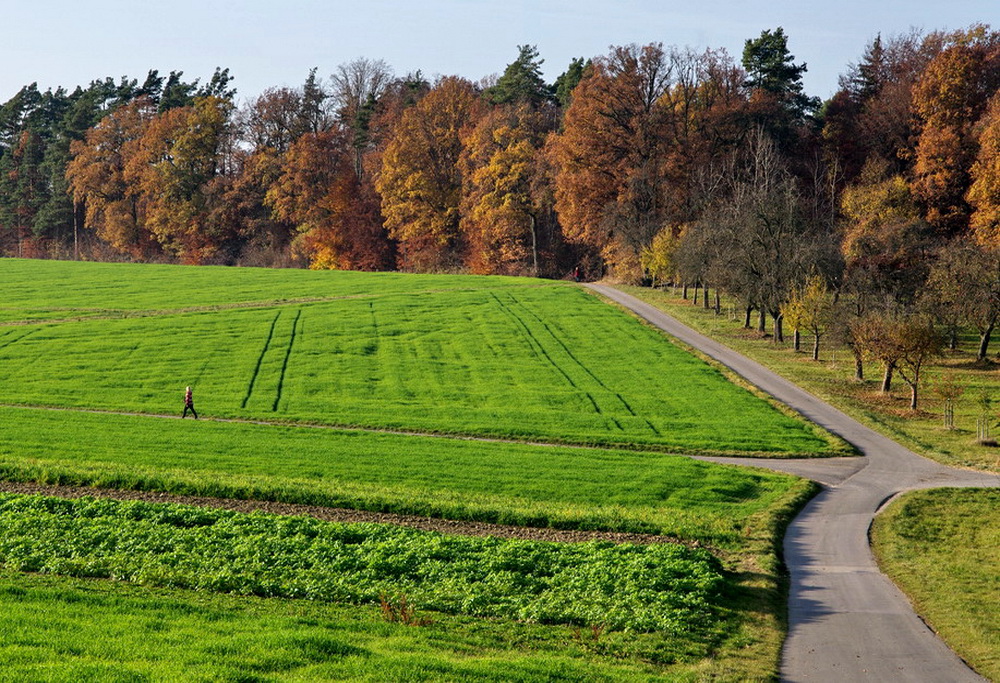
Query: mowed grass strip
{"points": [[943, 549], [110, 631], [539, 362], [548, 486]]}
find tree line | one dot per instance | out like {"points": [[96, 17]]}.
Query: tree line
{"points": [[873, 217]]}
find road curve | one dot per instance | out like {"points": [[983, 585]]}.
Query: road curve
{"points": [[847, 620]]}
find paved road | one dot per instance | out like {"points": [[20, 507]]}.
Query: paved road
{"points": [[847, 621]]}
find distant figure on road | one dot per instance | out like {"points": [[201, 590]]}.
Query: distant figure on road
{"points": [[189, 403]]}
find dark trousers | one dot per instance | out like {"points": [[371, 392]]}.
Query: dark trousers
{"points": [[187, 407]]}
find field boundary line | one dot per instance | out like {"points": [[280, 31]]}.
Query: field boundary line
{"points": [[341, 428], [342, 515], [651, 448]]}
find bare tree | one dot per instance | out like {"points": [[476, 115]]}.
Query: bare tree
{"points": [[758, 238], [355, 90], [354, 83], [964, 288]]}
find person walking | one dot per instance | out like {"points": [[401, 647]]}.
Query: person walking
{"points": [[189, 403]]}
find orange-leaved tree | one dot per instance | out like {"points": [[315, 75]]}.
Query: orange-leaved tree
{"points": [[171, 168], [984, 193], [950, 98], [336, 214], [609, 185], [420, 181], [96, 176], [502, 213]]}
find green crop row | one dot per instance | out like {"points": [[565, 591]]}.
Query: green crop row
{"points": [[660, 587]]}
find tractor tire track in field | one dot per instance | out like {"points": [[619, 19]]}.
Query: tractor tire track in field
{"points": [[580, 365], [846, 620], [570, 354], [371, 350], [284, 364], [17, 339], [260, 359], [543, 355]]}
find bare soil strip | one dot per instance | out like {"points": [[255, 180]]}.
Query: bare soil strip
{"points": [[444, 526]]}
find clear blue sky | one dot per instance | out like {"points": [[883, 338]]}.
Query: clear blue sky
{"points": [[269, 43]]}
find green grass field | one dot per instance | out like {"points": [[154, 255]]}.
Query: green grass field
{"points": [[486, 356], [352, 390], [452, 478], [108, 631], [943, 548]]}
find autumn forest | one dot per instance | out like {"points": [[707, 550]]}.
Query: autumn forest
{"points": [[649, 164]]}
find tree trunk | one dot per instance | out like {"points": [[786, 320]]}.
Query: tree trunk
{"points": [[684, 292], [746, 319], [815, 347], [859, 367], [534, 246], [705, 299], [697, 288], [762, 322], [718, 302], [779, 328], [887, 377], [914, 385], [76, 233], [797, 340], [984, 341]]}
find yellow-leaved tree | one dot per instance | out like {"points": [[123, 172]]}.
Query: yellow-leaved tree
{"points": [[984, 194], [503, 213]]}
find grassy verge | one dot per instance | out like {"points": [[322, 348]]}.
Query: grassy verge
{"points": [[943, 548], [832, 380]]}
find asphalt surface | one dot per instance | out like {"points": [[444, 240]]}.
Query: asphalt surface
{"points": [[847, 620]]}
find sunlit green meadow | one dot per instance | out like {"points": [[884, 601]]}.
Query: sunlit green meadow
{"points": [[360, 390], [527, 361]]}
